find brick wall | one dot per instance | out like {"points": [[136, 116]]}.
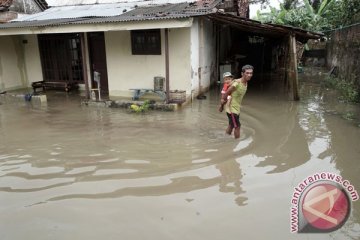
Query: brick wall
{"points": [[343, 51]]}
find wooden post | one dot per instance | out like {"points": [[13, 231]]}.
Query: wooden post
{"points": [[292, 69], [167, 65], [84, 65], [217, 47], [262, 64]]}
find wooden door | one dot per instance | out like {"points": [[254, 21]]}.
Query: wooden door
{"points": [[96, 42]]}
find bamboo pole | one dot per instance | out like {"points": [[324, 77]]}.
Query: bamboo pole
{"points": [[292, 69]]}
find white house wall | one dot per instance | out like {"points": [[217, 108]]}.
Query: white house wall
{"points": [[126, 71], [203, 40], [12, 64], [208, 56], [194, 56], [179, 59], [32, 59]]}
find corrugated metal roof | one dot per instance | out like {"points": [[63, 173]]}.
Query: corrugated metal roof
{"points": [[168, 11], [66, 12], [109, 10], [40, 23], [117, 12], [58, 3], [145, 10]]}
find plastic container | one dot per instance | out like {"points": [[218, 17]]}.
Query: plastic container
{"points": [[159, 83]]}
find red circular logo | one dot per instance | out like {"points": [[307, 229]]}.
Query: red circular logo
{"points": [[325, 207]]}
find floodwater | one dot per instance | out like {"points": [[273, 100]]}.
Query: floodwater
{"points": [[74, 172]]}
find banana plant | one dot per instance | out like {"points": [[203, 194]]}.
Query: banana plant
{"points": [[304, 16]]}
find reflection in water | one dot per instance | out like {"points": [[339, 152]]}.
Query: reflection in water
{"points": [[230, 180], [66, 168]]}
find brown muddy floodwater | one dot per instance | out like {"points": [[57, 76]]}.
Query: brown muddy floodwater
{"points": [[74, 172]]}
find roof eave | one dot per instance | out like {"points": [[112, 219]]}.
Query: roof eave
{"points": [[75, 26], [274, 30]]}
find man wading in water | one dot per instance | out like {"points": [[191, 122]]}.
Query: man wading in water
{"points": [[237, 91]]}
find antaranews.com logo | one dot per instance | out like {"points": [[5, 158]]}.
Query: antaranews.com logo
{"points": [[321, 203]]}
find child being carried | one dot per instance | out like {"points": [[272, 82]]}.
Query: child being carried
{"points": [[228, 78]]}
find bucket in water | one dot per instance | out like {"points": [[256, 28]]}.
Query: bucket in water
{"points": [[28, 97], [93, 95], [159, 83]]}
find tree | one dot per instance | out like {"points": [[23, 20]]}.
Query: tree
{"points": [[310, 15], [350, 11]]}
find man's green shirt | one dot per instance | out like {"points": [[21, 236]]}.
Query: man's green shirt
{"points": [[236, 97]]}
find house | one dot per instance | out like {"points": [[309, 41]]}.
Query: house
{"points": [[130, 43]]}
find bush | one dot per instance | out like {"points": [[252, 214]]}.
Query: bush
{"points": [[348, 91], [142, 108]]}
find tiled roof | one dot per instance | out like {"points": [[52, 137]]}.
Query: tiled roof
{"points": [[5, 4]]}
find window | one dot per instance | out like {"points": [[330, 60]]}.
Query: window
{"points": [[146, 42]]}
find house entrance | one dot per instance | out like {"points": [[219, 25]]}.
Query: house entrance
{"points": [[96, 43], [237, 48]]}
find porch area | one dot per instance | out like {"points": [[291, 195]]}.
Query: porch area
{"points": [[26, 96]]}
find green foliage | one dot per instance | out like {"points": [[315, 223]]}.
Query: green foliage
{"points": [[140, 108], [348, 91], [350, 11], [334, 15], [314, 16], [303, 18], [349, 116], [289, 4]]}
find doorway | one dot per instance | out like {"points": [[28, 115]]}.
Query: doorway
{"points": [[97, 53]]}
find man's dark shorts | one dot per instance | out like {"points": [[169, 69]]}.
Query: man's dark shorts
{"points": [[234, 120]]}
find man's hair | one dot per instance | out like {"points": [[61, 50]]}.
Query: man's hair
{"points": [[246, 67]]}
